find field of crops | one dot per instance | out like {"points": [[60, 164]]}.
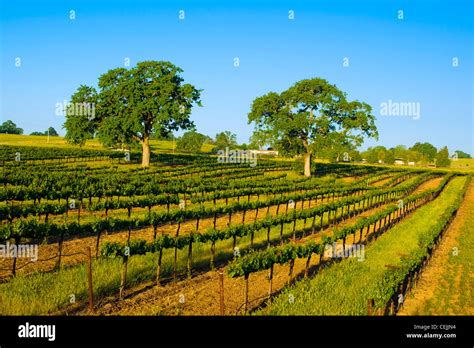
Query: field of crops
{"points": [[90, 232]]}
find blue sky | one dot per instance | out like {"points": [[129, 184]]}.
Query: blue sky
{"points": [[408, 60]]}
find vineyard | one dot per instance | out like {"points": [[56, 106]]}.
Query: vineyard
{"points": [[236, 172], [91, 232]]}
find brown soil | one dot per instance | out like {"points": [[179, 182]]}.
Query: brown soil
{"points": [[428, 185]]}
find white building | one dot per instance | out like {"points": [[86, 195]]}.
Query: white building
{"points": [[399, 161], [264, 152]]}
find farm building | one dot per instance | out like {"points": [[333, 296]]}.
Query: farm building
{"points": [[264, 152], [399, 161]]}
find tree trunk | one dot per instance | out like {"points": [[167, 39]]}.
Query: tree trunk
{"points": [[146, 152], [307, 164]]}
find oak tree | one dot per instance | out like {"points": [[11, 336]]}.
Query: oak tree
{"points": [[302, 118], [134, 104]]}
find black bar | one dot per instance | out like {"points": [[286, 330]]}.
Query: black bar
{"points": [[259, 330]]}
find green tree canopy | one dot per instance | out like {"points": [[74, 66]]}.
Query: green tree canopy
{"points": [[371, 155], [389, 157], [462, 154], [427, 150], [400, 151], [380, 153], [191, 142], [9, 127], [335, 147], [52, 132], [259, 139], [81, 123], [442, 158], [133, 104], [302, 117], [225, 139]]}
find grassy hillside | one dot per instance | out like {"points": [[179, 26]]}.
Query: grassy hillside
{"points": [[29, 140]]}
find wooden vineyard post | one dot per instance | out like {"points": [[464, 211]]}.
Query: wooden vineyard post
{"points": [[304, 227], [213, 247], [175, 262], [123, 277], [89, 279], [270, 284], [190, 257], [60, 249], [290, 273], [268, 236], [370, 306], [281, 233], [308, 260], [246, 293], [155, 227], [294, 230], [17, 242], [221, 292], [158, 268]]}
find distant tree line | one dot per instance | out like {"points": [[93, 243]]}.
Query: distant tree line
{"points": [[8, 127], [420, 153], [50, 131]]}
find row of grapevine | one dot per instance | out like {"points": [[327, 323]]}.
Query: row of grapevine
{"points": [[162, 242], [11, 211], [401, 279], [257, 261], [117, 185]]}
